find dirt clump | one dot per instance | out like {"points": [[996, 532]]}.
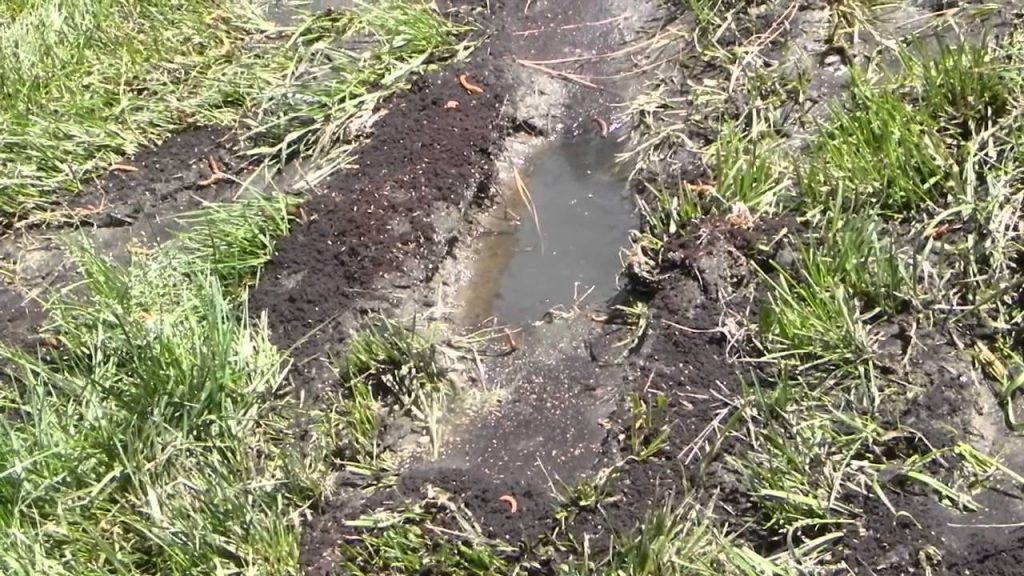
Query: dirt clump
{"points": [[385, 224], [172, 178]]}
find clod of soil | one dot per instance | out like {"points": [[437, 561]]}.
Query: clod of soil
{"points": [[385, 224]]}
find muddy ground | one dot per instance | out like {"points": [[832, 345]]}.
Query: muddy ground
{"points": [[395, 236], [563, 417], [133, 206]]}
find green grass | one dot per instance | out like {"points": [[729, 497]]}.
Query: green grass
{"points": [[677, 539], [910, 153], [877, 155], [232, 240], [649, 433], [330, 93], [966, 89], [906, 194], [395, 368], [405, 542], [157, 435], [154, 438], [84, 83]]}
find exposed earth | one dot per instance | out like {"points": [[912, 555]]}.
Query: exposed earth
{"points": [[397, 235]]}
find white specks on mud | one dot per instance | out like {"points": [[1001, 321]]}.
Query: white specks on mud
{"points": [[546, 403], [539, 105], [550, 423]]}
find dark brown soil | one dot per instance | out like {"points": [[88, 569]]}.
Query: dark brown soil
{"points": [[950, 409], [371, 232], [122, 206], [166, 180], [388, 223]]}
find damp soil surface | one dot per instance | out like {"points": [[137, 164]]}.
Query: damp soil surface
{"points": [[561, 414], [427, 188], [133, 205]]}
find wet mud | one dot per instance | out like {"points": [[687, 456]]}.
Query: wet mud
{"points": [[484, 257], [554, 240], [134, 205], [432, 209], [386, 225]]}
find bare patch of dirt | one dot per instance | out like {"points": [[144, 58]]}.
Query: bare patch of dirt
{"points": [[375, 234], [172, 178], [20, 318], [135, 202], [385, 225]]}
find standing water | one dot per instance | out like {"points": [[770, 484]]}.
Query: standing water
{"points": [[528, 265]]}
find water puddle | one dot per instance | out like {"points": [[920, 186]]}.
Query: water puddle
{"points": [[584, 212]]}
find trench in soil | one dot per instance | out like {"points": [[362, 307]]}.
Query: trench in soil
{"points": [[541, 278], [556, 393]]}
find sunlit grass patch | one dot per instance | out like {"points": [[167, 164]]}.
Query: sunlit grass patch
{"points": [[405, 541], [344, 65], [965, 88], [233, 240], [156, 438], [394, 367], [679, 538], [812, 323], [905, 194], [155, 435], [750, 176], [814, 456], [893, 189], [82, 84], [800, 463], [877, 154], [749, 170], [820, 314]]}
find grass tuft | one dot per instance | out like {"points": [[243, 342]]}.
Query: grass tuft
{"points": [[677, 539], [877, 155], [233, 240], [397, 368], [965, 88], [155, 439], [406, 542], [86, 83], [343, 65], [83, 83]]}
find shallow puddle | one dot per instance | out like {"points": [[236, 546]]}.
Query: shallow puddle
{"points": [[526, 265]]}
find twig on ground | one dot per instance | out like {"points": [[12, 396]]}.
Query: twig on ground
{"points": [[616, 54], [569, 26], [524, 192], [566, 75], [217, 174]]}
